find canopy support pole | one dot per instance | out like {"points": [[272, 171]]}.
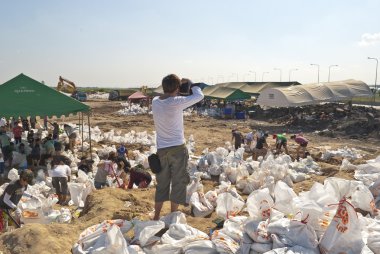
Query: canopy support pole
{"points": [[82, 131], [89, 132]]}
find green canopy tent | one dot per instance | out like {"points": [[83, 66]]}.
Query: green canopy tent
{"points": [[23, 96], [229, 94]]}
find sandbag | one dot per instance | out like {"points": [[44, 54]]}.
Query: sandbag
{"points": [[233, 227], [344, 232], [284, 195], [259, 204], [224, 243], [227, 205], [145, 232], [106, 237], [200, 206], [174, 218], [257, 230], [293, 233]]}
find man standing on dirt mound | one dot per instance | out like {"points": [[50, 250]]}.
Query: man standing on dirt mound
{"points": [[172, 152]]}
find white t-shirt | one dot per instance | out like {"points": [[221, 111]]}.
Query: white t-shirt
{"points": [[1, 156], [61, 171], [168, 117], [3, 122]]}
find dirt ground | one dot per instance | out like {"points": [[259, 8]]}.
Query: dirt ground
{"points": [[111, 203]]}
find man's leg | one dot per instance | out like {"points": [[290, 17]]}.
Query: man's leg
{"points": [[157, 210], [286, 148], [174, 207]]}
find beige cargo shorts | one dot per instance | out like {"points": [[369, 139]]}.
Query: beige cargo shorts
{"points": [[173, 177]]}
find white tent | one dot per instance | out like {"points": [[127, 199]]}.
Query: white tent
{"points": [[309, 94]]}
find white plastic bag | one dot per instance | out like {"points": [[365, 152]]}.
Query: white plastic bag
{"points": [[145, 231], [106, 237], [13, 174], [257, 230], [233, 227], [259, 204], [344, 232], [284, 198], [227, 205], [224, 243], [293, 233], [174, 218], [200, 206]]}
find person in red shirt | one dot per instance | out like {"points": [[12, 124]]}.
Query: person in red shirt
{"points": [[17, 133], [139, 177]]}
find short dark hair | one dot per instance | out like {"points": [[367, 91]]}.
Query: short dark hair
{"points": [[170, 83]]}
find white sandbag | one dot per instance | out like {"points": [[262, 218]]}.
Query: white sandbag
{"points": [[362, 198], [231, 172], [76, 192], [284, 198], [245, 244], [200, 206], [311, 213], [293, 233], [241, 178], [200, 247], [224, 243], [179, 235], [13, 174], [95, 240], [227, 205], [212, 196], [373, 242], [344, 232], [135, 249], [192, 187], [233, 227], [375, 188], [261, 247], [259, 204], [174, 218], [347, 166], [257, 230], [293, 250], [145, 232]]}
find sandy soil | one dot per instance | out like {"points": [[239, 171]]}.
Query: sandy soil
{"points": [[110, 203]]}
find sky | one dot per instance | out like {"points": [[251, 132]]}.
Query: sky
{"points": [[125, 43]]}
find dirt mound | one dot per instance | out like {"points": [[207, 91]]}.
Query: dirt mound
{"points": [[59, 238]]}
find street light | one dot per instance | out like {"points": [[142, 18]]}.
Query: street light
{"points": [[262, 78], [334, 65], [278, 69], [237, 76], [255, 74], [290, 71], [220, 76], [318, 70], [377, 65]]}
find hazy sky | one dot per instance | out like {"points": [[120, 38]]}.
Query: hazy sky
{"points": [[132, 43]]}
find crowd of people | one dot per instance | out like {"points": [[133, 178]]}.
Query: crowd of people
{"points": [[256, 142], [172, 176], [23, 148]]}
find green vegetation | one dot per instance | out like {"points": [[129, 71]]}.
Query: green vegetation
{"points": [[367, 100]]}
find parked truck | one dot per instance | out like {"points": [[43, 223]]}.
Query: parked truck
{"points": [[119, 95]]}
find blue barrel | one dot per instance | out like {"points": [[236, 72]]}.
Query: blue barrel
{"points": [[240, 115], [228, 111]]}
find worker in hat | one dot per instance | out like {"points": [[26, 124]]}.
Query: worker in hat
{"points": [[281, 141], [12, 195]]}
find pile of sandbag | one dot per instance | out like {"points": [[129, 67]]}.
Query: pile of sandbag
{"points": [[249, 175], [346, 152], [322, 220], [132, 109], [98, 95]]}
